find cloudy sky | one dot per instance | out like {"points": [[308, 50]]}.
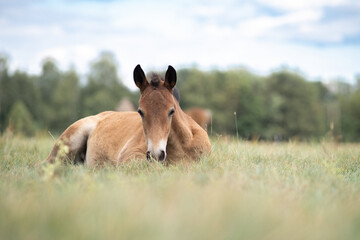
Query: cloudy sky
{"points": [[320, 38]]}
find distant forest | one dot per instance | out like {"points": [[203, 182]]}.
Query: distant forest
{"points": [[281, 106]]}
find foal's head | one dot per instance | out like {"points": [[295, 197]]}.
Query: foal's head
{"points": [[156, 108]]}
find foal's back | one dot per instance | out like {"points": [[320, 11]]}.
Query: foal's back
{"points": [[117, 138], [106, 137]]}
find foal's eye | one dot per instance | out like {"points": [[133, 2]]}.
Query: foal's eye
{"points": [[172, 111], [140, 112]]}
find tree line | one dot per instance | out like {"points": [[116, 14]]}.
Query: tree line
{"points": [[281, 106]]}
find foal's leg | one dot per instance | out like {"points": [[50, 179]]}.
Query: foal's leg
{"points": [[72, 144]]}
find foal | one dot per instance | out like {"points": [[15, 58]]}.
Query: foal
{"points": [[160, 130]]}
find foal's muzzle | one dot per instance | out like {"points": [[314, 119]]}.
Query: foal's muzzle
{"points": [[160, 157]]}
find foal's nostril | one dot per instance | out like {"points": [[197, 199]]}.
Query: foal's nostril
{"points": [[162, 155]]}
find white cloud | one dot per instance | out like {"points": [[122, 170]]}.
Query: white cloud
{"points": [[265, 25], [215, 33], [79, 55], [303, 4]]}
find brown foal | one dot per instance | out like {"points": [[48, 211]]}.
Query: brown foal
{"points": [[160, 130]]}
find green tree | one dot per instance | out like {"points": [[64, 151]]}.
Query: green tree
{"points": [[200, 89], [48, 80], [225, 93], [4, 91], [104, 88], [293, 107], [24, 89], [350, 117], [18, 86], [103, 71], [47, 83], [243, 97], [66, 101], [20, 119]]}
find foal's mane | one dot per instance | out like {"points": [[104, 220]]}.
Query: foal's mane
{"points": [[155, 79]]}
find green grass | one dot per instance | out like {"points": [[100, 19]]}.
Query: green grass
{"points": [[244, 190]]}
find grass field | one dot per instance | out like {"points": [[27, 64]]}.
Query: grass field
{"points": [[244, 190]]}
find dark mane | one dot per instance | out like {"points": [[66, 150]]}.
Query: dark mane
{"points": [[155, 79]]}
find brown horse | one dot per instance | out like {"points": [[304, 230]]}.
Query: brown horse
{"points": [[200, 115], [160, 130]]}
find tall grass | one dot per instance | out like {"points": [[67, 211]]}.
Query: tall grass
{"points": [[244, 190]]}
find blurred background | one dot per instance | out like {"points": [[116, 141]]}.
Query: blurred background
{"points": [[266, 69]]}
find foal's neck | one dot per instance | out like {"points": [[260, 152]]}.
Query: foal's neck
{"points": [[180, 129]]}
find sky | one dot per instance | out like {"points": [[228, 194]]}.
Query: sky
{"points": [[319, 38]]}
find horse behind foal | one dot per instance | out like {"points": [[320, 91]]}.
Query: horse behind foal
{"points": [[160, 130], [201, 116]]}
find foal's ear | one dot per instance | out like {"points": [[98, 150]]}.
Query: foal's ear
{"points": [[170, 78], [139, 78]]}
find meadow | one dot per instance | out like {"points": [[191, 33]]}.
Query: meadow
{"points": [[244, 190]]}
